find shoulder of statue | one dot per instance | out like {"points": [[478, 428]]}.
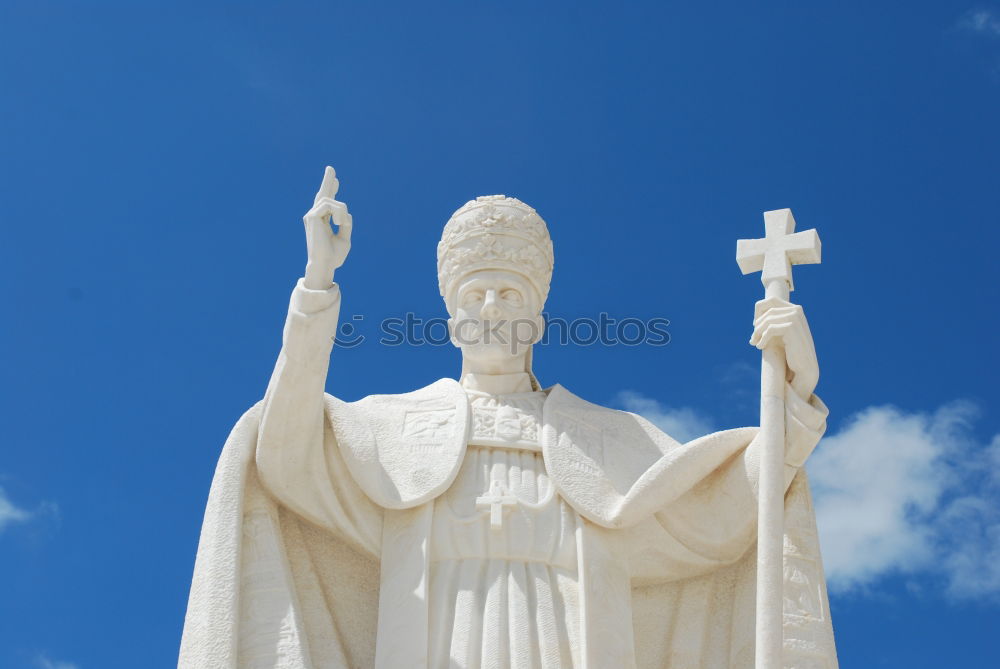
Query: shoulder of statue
{"points": [[594, 428], [403, 449], [604, 460]]}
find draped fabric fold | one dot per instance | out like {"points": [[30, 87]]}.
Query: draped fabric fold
{"points": [[271, 590], [708, 620]]}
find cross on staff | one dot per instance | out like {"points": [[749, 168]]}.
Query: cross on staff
{"points": [[497, 498], [773, 256]]}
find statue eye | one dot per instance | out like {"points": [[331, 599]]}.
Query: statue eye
{"points": [[512, 296], [472, 297]]}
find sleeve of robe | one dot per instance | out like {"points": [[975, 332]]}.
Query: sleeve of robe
{"points": [[715, 522], [297, 454]]}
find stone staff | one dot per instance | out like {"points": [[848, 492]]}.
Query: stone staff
{"points": [[773, 256]]}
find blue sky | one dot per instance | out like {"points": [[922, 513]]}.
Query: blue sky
{"points": [[157, 159]]}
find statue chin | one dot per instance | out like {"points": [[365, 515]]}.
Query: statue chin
{"points": [[494, 354]]}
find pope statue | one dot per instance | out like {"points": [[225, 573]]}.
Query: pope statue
{"points": [[490, 522]]}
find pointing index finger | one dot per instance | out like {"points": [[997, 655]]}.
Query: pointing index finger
{"points": [[329, 186]]}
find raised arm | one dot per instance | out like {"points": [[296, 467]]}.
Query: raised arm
{"points": [[296, 453]]}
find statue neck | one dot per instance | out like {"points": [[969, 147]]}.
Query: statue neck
{"points": [[497, 384]]}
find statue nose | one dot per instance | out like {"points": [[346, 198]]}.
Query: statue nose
{"points": [[490, 308]]}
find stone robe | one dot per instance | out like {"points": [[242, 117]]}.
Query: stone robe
{"points": [[487, 527]]}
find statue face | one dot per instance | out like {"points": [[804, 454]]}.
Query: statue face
{"points": [[495, 315]]}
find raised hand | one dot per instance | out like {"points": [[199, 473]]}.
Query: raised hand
{"points": [[776, 320], [326, 249]]}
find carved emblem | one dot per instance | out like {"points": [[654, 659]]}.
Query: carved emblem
{"points": [[508, 423], [802, 596], [427, 426], [511, 420]]}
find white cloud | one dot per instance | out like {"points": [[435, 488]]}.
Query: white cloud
{"points": [[683, 424], [907, 493], [876, 484], [42, 661], [10, 513], [983, 21]]}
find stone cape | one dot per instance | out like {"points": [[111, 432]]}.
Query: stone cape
{"points": [[272, 589]]}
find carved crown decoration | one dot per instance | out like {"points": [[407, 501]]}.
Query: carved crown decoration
{"points": [[495, 232]]}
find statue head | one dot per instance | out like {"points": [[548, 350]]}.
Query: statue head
{"points": [[494, 267]]}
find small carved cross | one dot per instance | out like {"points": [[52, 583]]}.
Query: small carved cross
{"points": [[497, 498], [774, 255]]}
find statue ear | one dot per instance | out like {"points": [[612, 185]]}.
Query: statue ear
{"points": [[451, 333]]}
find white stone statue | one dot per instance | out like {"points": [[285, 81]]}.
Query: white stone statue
{"points": [[488, 522]]}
